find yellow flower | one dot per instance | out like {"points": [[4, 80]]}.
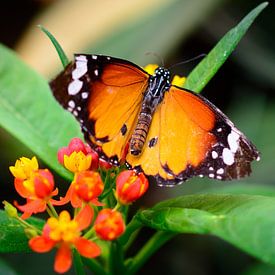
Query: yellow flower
{"points": [[77, 162], [24, 167], [150, 68], [178, 81], [63, 229]]}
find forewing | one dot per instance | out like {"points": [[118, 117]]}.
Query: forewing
{"points": [[104, 94]]}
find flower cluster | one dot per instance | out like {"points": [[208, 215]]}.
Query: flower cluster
{"points": [[98, 194]]}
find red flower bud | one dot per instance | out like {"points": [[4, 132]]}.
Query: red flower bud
{"points": [[88, 185], [43, 183], [94, 165], [77, 145], [109, 224], [130, 186], [61, 153]]}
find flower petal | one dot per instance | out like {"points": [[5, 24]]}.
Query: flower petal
{"points": [[87, 248], [41, 244], [63, 259], [21, 189], [84, 217], [32, 207]]}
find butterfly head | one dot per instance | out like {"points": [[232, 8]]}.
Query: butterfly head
{"points": [[160, 81], [162, 72]]}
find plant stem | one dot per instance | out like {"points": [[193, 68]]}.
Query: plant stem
{"points": [[157, 240], [52, 211], [132, 226], [78, 264], [117, 259], [94, 266]]}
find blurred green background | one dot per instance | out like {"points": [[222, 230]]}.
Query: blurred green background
{"points": [[176, 30]]}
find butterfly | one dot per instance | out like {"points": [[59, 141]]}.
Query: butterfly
{"points": [[130, 116]]}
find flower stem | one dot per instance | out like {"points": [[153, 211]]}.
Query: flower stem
{"points": [[94, 266], [132, 226], [117, 259], [78, 264], [51, 210], [157, 240], [90, 233]]}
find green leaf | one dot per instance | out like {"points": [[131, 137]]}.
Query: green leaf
{"points": [[245, 221], [208, 67], [6, 269], [30, 113], [13, 237], [243, 188], [63, 57]]}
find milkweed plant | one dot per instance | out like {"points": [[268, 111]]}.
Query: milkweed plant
{"points": [[88, 225]]}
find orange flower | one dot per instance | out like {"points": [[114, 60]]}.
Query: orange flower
{"points": [[38, 190], [130, 186], [64, 234], [83, 157], [86, 187], [109, 224]]}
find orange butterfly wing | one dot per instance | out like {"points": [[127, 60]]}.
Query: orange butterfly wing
{"points": [[110, 99], [187, 137]]}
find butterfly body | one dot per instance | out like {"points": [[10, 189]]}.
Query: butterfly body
{"points": [[159, 83], [169, 133]]}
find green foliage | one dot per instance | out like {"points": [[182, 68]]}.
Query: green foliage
{"points": [[245, 221], [29, 111], [10, 228], [208, 67], [5, 268], [62, 56]]}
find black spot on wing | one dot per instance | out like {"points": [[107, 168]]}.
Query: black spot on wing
{"points": [[123, 129], [153, 142]]}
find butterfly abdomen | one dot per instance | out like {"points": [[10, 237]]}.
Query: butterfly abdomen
{"points": [[140, 133]]}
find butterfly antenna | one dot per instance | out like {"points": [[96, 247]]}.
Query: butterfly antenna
{"points": [[188, 60], [157, 56]]}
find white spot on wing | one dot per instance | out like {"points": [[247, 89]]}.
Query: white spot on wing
{"points": [[96, 72], [71, 104], [211, 175], [94, 56], [233, 141], [74, 87], [84, 95], [81, 58], [214, 154], [227, 156], [220, 171], [80, 67], [80, 70]]}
